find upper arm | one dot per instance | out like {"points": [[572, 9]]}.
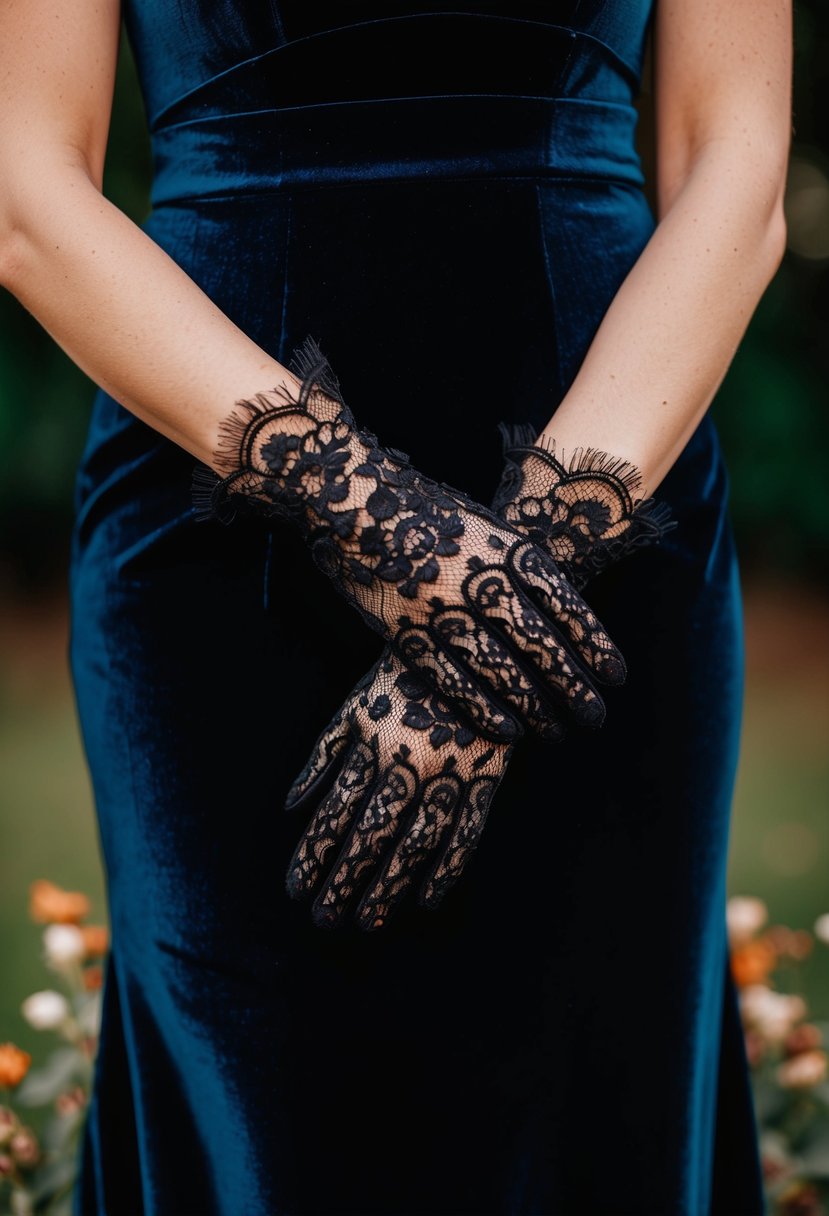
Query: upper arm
{"points": [[723, 71], [57, 74]]}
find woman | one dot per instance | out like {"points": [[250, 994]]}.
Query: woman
{"points": [[450, 200]]}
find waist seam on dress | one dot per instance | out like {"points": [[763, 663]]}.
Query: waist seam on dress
{"points": [[442, 136], [598, 102], [534, 179]]}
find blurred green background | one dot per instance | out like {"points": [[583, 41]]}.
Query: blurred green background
{"points": [[772, 416]]}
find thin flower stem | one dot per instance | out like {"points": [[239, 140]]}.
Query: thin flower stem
{"points": [[21, 1201]]}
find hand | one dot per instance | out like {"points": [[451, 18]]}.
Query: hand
{"points": [[403, 798], [462, 596], [413, 789]]}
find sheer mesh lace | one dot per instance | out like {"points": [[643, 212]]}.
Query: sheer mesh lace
{"points": [[413, 788], [462, 596], [585, 514], [415, 779]]}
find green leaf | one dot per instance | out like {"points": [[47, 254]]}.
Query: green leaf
{"points": [[42, 1085], [62, 1130], [50, 1182]]}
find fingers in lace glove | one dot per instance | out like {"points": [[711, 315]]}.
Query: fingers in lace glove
{"points": [[412, 554], [487, 656], [413, 786], [585, 513], [465, 826]]}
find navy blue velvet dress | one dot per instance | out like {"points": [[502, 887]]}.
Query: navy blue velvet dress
{"points": [[447, 197]]}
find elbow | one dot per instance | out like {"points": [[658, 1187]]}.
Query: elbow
{"points": [[778, 231], [35, 201], [780, 236], [13, 235], [777, 236], [12, 253]]}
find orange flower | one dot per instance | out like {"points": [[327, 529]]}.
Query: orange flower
{"points": [[95, 940], [93, 978], [14, 1064], [751, 963], [50, 904]]}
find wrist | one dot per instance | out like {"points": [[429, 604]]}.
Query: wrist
{"points": [[586, 510]]}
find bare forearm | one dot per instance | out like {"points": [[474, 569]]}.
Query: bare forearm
{"points": [[672, 329], [127, 314]]}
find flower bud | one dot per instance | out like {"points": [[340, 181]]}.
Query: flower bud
{"points": [[802, 1038], [68, 1103], [45, 1010], [803, 1070], [24, 1147], [752, 962], [14, 1064], [755, 1046], [821, 928], [745, 914], [49, 903], [772, 1014], [96, 940], [64, 944], [93, 978], [790, 943]]}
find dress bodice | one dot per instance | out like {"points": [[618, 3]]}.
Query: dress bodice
{"points": [[207, 57]]}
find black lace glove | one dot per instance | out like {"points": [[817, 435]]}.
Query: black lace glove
{"points": [[462, 596], [414, 779], [413, 786], [585, 514]]}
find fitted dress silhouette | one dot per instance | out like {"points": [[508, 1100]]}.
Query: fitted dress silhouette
{"points": [[447, 197]]}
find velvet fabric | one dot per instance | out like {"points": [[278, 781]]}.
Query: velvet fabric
{"points": [[448, 199]]}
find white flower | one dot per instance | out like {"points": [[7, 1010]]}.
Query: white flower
{"points": [[45, 1010], [805, 1069], [64, 944], [744, 915], [822, 928], [771, 1013]]}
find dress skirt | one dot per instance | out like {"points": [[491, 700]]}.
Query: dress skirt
{"points": [[561, 1035]]}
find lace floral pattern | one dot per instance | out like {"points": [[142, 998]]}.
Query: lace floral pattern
{"points": [[585, 513], [408, 805], [416, 780], [471, 602]]}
